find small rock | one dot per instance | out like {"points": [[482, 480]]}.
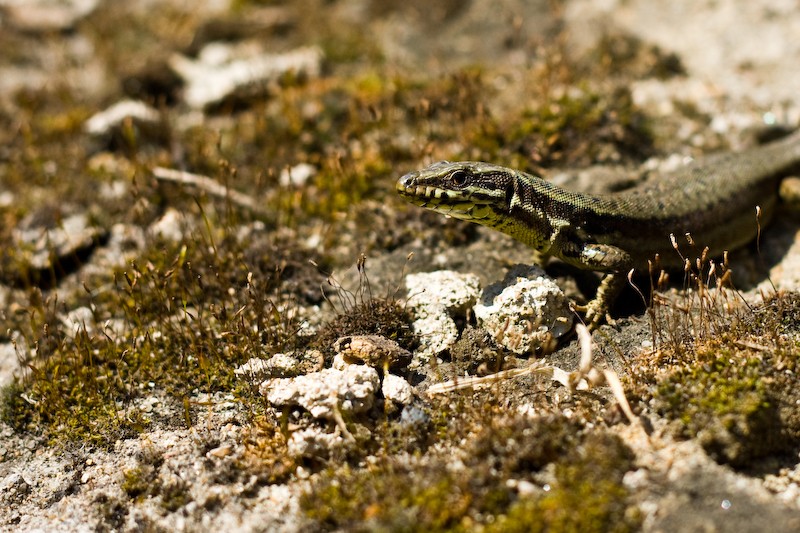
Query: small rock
{"points": [[525, 311], [6, 198], [397, 389], [321, 393], [14, 488], [435, 298], [313, 442], [414, 417], [111, 120], [9, 363], [437, 332], [372, 350], [72, 234], [220, 451], [224, 71], [124, 242], [172, 226], [281, 365], [297, 175], [46, 252], [116, 329], [80, 319], [338, 362], [454, 291]]}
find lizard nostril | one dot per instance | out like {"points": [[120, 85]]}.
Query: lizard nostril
{"points": [[407, 180]]}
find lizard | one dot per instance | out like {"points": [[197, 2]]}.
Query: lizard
{"points": [[714, 200]]}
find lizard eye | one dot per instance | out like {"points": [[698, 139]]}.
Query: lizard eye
{"points": [[459, 178]]}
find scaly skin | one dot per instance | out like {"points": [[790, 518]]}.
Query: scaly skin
{"points": [[713, 199]]}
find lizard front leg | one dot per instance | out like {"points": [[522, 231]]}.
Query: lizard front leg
{"points": [[615, 261]]}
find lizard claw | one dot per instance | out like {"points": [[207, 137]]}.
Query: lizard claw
{"points": [[595, 313]]}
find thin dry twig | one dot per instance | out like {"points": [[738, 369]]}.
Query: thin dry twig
{"points": [[596, 377], [586, 377], [207, 185], [487, 381]]}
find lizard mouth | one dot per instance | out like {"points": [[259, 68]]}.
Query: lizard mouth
{"points": [[423, 193], [457, 204]]}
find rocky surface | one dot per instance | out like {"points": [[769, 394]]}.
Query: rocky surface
{"points": [[177, 186], [525, 311]]}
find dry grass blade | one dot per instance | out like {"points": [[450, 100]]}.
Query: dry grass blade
{"points": [[487, 381], [207, 185]]}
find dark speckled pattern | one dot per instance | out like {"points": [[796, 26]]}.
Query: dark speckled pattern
{"points": [[713, 198]]}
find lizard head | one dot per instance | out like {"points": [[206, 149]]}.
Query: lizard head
{"points": [[490, 195], [468, 190]]}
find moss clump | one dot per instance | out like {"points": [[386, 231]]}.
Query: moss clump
{"points": [[373, 317], [579, 127], [175, 495], [175, 309], [362, 314], [778, 316], [429, 494], [143, 481], [138, 481], [627, 55], [520, 445], [736, 392], [395, 497], [266, 454], [587, 494], [723, 399]]}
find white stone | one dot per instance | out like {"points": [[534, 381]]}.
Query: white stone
{"points": [[221, 70], [79, 319], [105, 121], [437, 332], [321, 393], [525, 310], [279, 365], [297, 175], [434, 298], [454, 291], [397, 389], [313, 442], [170, 226]]}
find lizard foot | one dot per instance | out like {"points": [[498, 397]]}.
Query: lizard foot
{"points": [[595, 314]]}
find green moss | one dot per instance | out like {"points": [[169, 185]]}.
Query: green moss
{"points": [[143, 481], [777, 317], [726, 399], [736, 392], [265, 451], [112, 512], [73, 393], [138, 481], [393, 498], [177, 313], [577, 128], [174, 495], [627, 55], [587, 495], [361, 313], [428, 494], [519, 445], [723, 398]]}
